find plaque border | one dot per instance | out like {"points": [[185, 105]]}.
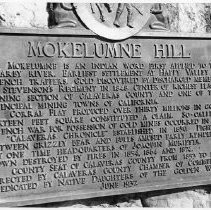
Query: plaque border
{"points": [[85, 32], [51, 197], [65, 195]]}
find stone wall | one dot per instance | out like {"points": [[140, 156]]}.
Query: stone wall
{"points": [[182, 18], [26, 15]]}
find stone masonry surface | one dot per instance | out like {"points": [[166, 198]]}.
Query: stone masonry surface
{"points": [[182, 18]]}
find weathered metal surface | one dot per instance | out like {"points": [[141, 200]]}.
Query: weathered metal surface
{"points": [[82, 117]]}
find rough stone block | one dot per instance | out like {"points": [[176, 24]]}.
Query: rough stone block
{"points": [[25, 14], [191, 18], [186, 199]]}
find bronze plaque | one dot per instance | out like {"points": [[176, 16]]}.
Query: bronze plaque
{"points": [[85, 117]]}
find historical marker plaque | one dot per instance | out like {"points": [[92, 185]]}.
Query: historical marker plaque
{"points": [[83, 117]]}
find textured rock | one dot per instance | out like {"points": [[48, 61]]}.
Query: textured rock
{"points": [[131, 200], [172, 12], [136, 202], [191, 18], [23, 14], [185, 199], [100, 202]]}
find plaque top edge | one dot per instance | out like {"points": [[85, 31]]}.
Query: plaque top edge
{"points": [[85, 32]]}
